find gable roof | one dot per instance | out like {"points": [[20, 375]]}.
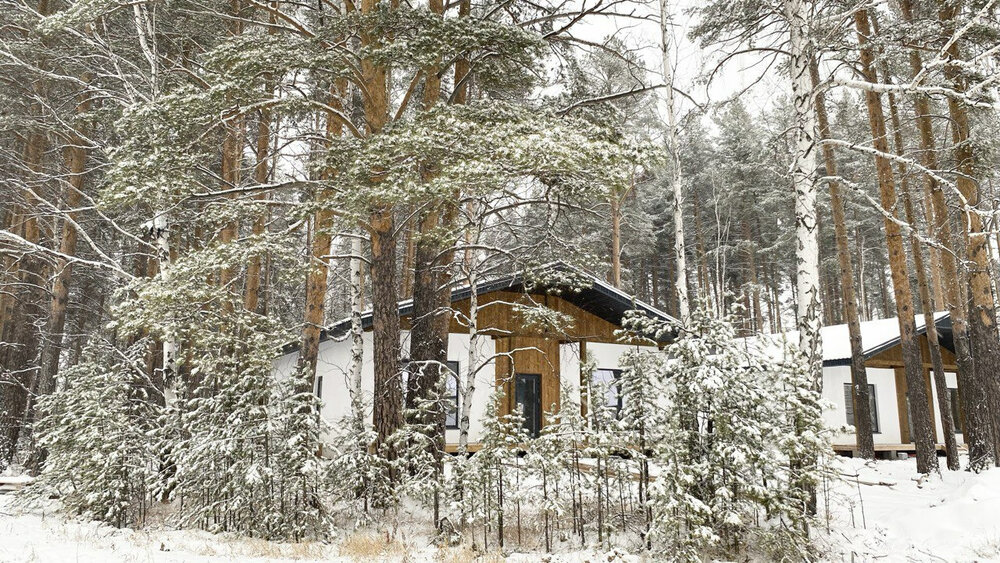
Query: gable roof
{"points": [[877, 336], [584, 290]]}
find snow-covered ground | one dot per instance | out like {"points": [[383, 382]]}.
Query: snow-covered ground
{"points": [[881, 512], [878, 512]]}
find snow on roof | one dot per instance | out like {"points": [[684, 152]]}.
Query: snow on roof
{"points": [[876, 336]]}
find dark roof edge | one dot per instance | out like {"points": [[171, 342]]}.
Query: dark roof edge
{"points": [[341, 327]]}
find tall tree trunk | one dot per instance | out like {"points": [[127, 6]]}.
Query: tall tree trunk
{"points": [[261, 173], [704, 282], [616, 240], [978, 431], [984, 340], [76, 156], [804, 182], [357, 341], [916, 391], [18, 361], [928, 306], [409, 260], [859, 374], [317, 277], [433, 258], [316, 288], [757, 316], [676, 177], [388, 398], [654, 281], [232, 151]]}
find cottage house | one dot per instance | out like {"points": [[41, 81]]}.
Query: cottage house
{"points": [[532, 361], [887, 382]]}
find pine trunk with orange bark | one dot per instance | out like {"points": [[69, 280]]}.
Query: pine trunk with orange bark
{"points": [[937, 362], [859, 374], [978, 430], [920, 416], [984, 341]]}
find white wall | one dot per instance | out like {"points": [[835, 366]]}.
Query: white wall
{"points": [[334, 361], [884, 379], [952, 380], [607, 356], [458, 351], [569, 371]]}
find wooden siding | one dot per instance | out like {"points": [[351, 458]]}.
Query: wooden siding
{"points": [[893, 357], [527, 354], [500, 315]]}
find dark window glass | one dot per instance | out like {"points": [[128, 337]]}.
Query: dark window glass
{"points": [[849, 406], [528, 394]]}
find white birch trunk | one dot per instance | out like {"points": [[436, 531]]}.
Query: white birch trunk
{"points": [[804, 182], [147, 42], [357, 338], [160, 227], [675, 163], [469, 385]]}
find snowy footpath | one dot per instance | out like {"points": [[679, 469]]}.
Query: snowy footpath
{"points": [[877, 512]]}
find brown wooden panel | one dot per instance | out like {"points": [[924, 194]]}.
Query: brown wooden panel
{"points": [[893, 357], [904, 421], [498, 315], [527, 354]]}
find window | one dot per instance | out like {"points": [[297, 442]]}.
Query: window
{"points": [[610, 381], [956, 410], [451, 395], [872, 405], [319, 386], [528, 395]]}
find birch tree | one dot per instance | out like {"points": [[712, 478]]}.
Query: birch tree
{"points": [[676, 174]]}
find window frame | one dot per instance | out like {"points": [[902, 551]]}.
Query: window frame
{"points": [[615, 383], [453, 366]]}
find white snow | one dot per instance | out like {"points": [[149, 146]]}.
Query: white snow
{"points": [[879, 511], [875, 335], [954, 517]]}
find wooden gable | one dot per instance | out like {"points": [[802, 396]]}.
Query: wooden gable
{"points": [[893, 357], [501, 314]]}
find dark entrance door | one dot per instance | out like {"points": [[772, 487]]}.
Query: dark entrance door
{"points": [[528, 394]]}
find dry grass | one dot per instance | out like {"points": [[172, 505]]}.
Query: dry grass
{"points": [[463, 554], [367, 545]]}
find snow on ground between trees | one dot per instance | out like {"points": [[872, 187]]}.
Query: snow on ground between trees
{"points": [[955, 517]]}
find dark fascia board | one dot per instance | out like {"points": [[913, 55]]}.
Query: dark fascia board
{"points": [[512, 281]]}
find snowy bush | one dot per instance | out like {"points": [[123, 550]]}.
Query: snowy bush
{"points": [[239, 444], [742, 444], [98, 432]]}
